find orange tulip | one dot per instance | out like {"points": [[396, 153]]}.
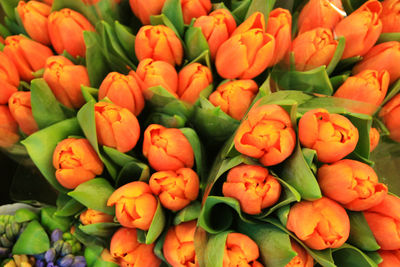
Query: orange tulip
{"points": [[49, 2], [390, 115], [383, 219], [320, 224], [390, 16], [93, 2], [193, 79], [240, 250], [66, 31], [28, 56], [106, 256], [8, 128], [178, 246], [122, 90], [20, 108], [91, 216], [382, 57], [253, 187], [65, 80], [361, 29], [76, 162], [280, 26], [255, 21], [150, 73], [9, 78], [352, 183], [313, 49], [333, 136], [176, 189], [374, 137], [302, 259], [234, 97], [320, 13], [34, 16], [216, 28], [159, 43], [1, 39], [129, 252], [194, 9], [390, 258], [143, 9], [266, 134], [135, 205], [167, 149], [116, 127]]}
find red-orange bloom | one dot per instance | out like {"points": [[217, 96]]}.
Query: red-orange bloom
{"points": [[9, 78], [302, 259], [167, 149], [193, 79], [240, 250], [390, 16], [91, 216], [390, 258], [320, 224], [374, 137], [266, 134], [143, 9], [76, 162], [135, 205], [280, 26], [390, 115], [255, 21], [253, 187], [8, 128], [194, 9], [20, 108]]}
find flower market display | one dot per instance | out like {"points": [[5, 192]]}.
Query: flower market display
{"points": [[198, 133]]}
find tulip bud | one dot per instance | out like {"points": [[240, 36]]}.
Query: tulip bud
{"points": [[390, 258], [255, 21], [20, 108], [194, 9], [9, 78], [374, 137], [159, 43], [320, 224], [129, 252], [105, 256], [178, 246], [280, 26], [216, 28], [116, 127], [366, 20], [150, 73], [240, 250], [66, 31], [34, 16], [332, 136], [193, 79], [122, 90], [167, 149], [390, 16], [28, 56], [91, 216], [390, 115], [302, 259], [266, 134], [253, 187], [65, 80], [76, 162], [143, 9]]}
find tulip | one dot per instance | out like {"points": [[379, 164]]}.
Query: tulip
{"points": [[255, 21], [361, 29], [122, 90], [313, 49], [129, 252], [253, 187], [302, 259], [234, 97], [390, 258], [1, 39], [135, 205], [8, 128], [167, 149], [34, 16], [76, 162], [66, 31], [65, 80], [143, 9], [216, 28], [374, 137], [178, 246], [28, 56], [383, 220], [245, 55], [9, 78], [116, 127], [193, 79], [320, 224], [266, 134], [332, 136], [351, 183], [240, 250], [49, 2], [159, 43], [390, 16], [280, 26], [194, 9], [91, 216], [390, 115], [106, 256], [150, 73], [20, 108], [320, 13], [382, 57]]}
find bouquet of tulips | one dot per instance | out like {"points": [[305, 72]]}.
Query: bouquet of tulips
{"points": [[203, 133]]}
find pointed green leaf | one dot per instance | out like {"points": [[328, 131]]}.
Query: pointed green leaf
{"points": [[388, 37], [261, 6], [99, 229], [337, 55], [9, 7], [32, 241], [214, 253], [70, 208], [156, 226], [173, 11], [51, 221], [90, 93], [126, 39], [196, 43], [188, 213], [95, 60], [92, 253], [89, 240], [164, 20], [25, 215], [348, 255], [393, 90], [360, 234], [239, 10], [198, 150], [78, 6]]}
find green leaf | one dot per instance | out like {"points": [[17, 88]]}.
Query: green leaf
{"points": [[195, 41], [173, 11], [215, 250], [348, 255], [89, 240], [107, 10], [337, 55], [32, 241], [388, 37], [188, 213], [99, 229], [92, 253], [101, 263], [78, 6], [158, 249], [25, 215], [360, 234], [261, 6], [4, 32], [9, 7], [283, 214], [164, 20], [90, 93], [393, 91], [169, 121], [156, 226], [338, 80], [126, 39], [204, 59], [363, 123], [51, 221], [374, 256], [347, 63], [239, 11], [70, 208]]}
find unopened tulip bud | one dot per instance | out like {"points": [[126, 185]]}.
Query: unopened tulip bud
{"points": [[8, 128], [20, 108], [390, 115], [143, 9], [193, 79], [194, 9]]}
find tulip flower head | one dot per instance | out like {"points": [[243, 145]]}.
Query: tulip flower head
{"points": [[374, 137], [143, 9], [91, 216], [390, 115], [9, 78], [194, 9], [240, 250], [390, 16], [390, 258], [193, 79], [76, 162], [302, 259], [8, 128], [135, 205], [255, 21], [320, 224], [20, 108], [280, 26], [266, 134]]}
